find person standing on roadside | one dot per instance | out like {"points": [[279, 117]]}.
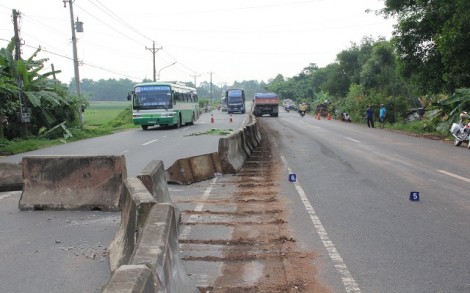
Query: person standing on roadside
{"points": [[370, 117], [382, 113]]}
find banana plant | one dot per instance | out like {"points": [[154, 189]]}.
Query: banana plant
{"points": [[48, 99]]}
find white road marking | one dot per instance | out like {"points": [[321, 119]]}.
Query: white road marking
{"points": [[187, 229], [348, 281], [454, 175], [149, 142], [352, 139], [125, 151]]}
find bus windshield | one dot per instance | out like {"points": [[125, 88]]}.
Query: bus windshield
{"points": [[152, 97]]}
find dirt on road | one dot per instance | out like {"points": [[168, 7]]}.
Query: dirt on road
{"points": [[258, 254]]}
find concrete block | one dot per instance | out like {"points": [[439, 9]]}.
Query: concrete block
{"points": [[131, 279], [72, 182], [136, 205], [11, 177], [194, 169], [231, 153], [158, 249]]}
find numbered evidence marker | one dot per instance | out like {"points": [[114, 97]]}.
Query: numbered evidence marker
{"points": [[414, 196], [292, 177]]}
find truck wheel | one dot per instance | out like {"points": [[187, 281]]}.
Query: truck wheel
{"points": [[144, 127]]}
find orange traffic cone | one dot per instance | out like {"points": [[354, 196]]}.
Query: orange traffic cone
{"points": [[212, 118], [329, 116], [318, 116], [230, 118]]}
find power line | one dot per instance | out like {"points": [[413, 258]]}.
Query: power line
{"points": [[119, 32], [119, 19], [37, 23], [122, 22]]}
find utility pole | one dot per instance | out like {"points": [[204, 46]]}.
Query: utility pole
{"points": [[195, 76], [53, 71], [75, 57], [154, 51], [211, 73], [24, 115]]}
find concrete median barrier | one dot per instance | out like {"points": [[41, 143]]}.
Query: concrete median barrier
{"points": [[72, 182], [154, 178], [131, 279], [136, 204], [248, 139], [231, 153], [194, 169], [144, 254], [245, 145], [159, 250], [252, 134], [257, 133], [11, 177]]}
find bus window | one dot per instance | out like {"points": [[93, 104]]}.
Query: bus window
{"points": [[176, 97]]}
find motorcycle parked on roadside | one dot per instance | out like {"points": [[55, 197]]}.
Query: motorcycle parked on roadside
{"points": [[461, 131], [302, 110], [345, 117]]}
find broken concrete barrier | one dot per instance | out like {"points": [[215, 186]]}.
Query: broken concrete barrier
{"points": [[153, 177], [72, 182], [11, 177], [194, 169]]}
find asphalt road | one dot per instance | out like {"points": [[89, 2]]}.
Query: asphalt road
{"points": [[351, 202], [65, 251], [140, 147]]}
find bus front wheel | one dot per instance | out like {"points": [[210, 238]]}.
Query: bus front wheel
{"points": [[178, 123], [145, 127]]}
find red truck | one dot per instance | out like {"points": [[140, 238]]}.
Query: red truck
{"points": [[266, 103]]}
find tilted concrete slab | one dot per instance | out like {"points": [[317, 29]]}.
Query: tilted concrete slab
{"points": [[154, 178], [194, 169], [72, 182]]}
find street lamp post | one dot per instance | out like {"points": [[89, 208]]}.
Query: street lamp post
{"points": [[164, 68]]}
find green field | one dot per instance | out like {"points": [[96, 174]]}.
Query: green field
{"points": [[99, 113]]}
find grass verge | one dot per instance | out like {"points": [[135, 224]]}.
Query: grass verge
{"points": [[100, 120]]}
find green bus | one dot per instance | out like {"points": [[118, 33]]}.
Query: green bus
{"points": [[164, 104]]}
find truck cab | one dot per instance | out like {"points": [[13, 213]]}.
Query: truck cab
{"points": [[235, 101]]}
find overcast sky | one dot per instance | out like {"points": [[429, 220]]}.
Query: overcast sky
{"points": [[233, 40]]}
